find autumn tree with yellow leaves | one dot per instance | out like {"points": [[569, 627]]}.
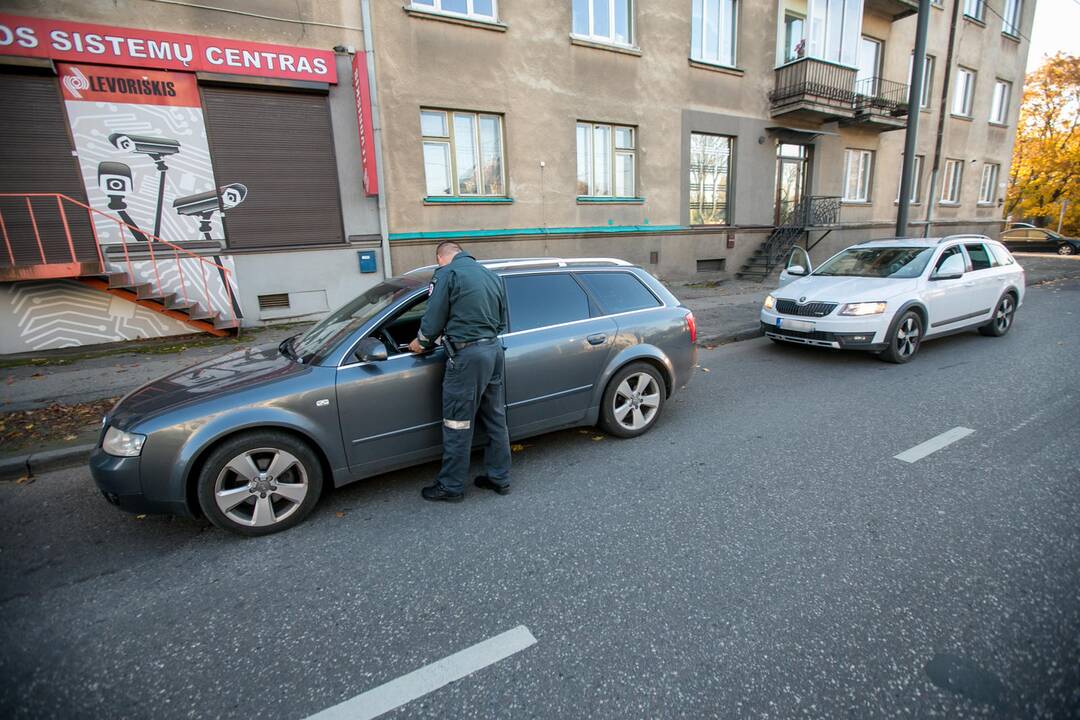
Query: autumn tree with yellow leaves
{"points": [[1046, 159]]}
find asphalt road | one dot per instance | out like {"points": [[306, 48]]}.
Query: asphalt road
{"points": [[760, 554]]}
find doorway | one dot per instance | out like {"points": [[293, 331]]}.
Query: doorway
{"points": [[792, 178]]}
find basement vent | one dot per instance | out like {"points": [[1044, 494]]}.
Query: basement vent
{"points": [[654, 257], [277, 300], [714, 265]]}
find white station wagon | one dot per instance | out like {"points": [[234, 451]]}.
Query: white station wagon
{"points": [[887, 296]]}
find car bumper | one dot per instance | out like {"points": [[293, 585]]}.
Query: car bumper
{"points": [[840, 333], [119, 481]]}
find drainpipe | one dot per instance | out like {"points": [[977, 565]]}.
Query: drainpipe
{"points": [[911, 135], [943, 112], [376, 122]]}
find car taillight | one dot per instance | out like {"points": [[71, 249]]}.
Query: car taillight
{"points": [[691, 325]]}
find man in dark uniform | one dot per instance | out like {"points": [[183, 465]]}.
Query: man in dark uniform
{"points": [[467, 306]]}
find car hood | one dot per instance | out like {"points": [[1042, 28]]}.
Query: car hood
{"points": [[231, 373], [846, 289]]}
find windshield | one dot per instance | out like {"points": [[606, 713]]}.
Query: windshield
{"points": [[883, 262], [328, 332]]}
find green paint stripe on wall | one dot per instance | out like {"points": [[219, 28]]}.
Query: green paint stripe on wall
{"points": [[518, 232]]}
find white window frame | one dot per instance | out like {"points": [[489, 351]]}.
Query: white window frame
{"points": [[975, 9], [928, 78], [916, 175], [865, 171], [875, 73], [820, 36], [613, 153], [999, 108], [963, 100], [1011, 17], [609, 39], [952, 179], [988, 183], [436, 7], [449, 142], [727, 26]]}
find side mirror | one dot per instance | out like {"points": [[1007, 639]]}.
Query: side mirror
{"points": [[371, 350], [952, 269], [797, 270]]}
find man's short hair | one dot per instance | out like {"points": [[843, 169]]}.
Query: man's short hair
{"points": [[447, 247]]}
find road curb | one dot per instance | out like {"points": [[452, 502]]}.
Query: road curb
{"points": [[28, 465], [731, 337]]}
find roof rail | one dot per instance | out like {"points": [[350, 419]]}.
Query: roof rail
{"points": [[502, 264], [960, 236]]}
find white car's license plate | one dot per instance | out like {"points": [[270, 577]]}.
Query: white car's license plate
{"points": [[796, 325]]}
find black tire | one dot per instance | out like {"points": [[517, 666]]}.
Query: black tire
{"points": [[1065, 249], [647, 390], [905, 338], [299, 466], [1002, 319]]}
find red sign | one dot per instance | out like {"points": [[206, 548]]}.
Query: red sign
{"points": [[80, 42], [100, 83], [363, 119]]}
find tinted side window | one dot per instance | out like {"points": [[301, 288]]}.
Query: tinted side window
{"points": [[540, 300], [980, 259], [618, 291], [1002, 255]]}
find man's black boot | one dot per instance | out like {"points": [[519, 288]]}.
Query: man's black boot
{"points": [[483, 481], [438, 492]]}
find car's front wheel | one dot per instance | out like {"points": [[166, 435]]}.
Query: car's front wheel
{"points": [[632, 400], [1066, 249], [905, 339], [259, 483], [1002, 319]]}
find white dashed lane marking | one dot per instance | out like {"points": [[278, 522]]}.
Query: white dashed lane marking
{"points": [[429, 678], [934, 444]]}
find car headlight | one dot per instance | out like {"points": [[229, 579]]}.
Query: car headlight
{"points": [[770, 302], [122, 444], [863, 308]]}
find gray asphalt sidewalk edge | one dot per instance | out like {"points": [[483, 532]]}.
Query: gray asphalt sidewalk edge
{"points": [[14, 467]]}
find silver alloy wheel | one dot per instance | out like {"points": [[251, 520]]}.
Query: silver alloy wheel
{"points": [[1065, 249], [636, 401], [261, 487], [1003, 316], [907, 337]]}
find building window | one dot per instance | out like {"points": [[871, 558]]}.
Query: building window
{"points": [[794, 28], [713, 31], [463, 153], [606, 160], [928, 79], [835, 29], [988, 183], [974, 9], [609, 21], [858, 165], [964, 93], [869, 69], [710, 179], [1010, 22], [916, 179], [475, 9], [999, 111], [950, 189]]}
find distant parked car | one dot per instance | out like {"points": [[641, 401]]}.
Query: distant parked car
{"points": [[887, 296], [250, 438], [1032, 239]]}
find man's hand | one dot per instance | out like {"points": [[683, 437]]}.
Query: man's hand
{"points": [[416, 347]]}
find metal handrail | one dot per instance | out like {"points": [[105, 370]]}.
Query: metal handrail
{"points": [[226, 274]]}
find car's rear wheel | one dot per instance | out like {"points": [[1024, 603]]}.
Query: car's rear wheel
{"points": [[260, 483], [1065, 249], [632, 401], [1002, 319], [905, 339]]}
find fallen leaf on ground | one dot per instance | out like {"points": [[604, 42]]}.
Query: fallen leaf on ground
{"points": [[24, 480], [70, 437], [705, 370], [597, 437], [140, 517], [517, 447], [339, 514]]}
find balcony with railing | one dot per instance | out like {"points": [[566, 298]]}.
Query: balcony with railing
{"points": [[880, 103], [819, 91]]}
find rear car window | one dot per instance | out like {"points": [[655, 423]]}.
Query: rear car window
{"points": [[980, 259], [1002, 255], [618, 291], [540, 300]]}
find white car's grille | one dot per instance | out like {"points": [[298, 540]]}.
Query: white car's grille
{"points": [[810, 309]]}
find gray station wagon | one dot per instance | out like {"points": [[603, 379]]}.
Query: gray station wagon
{"points": [[249, 439]]}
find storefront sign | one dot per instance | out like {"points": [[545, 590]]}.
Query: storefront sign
{"points": [[363, 119], [80, 42]]}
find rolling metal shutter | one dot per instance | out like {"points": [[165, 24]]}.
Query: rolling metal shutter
{"points": [[279, 144], [36, 156]]}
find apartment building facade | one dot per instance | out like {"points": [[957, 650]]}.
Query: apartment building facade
{"points": [[679, 134]]}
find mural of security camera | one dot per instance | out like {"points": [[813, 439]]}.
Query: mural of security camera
{"points": [[204, 205]]}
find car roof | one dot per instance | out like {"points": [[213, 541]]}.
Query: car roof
{"points": [[920, 241]]}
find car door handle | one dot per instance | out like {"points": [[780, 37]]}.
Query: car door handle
{"points": [[969, 284], [597, 339]]}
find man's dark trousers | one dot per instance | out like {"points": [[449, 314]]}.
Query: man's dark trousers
{"points": [[474, 381]]}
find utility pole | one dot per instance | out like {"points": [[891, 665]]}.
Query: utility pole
{"points": [[943, 112], [911, 136], [1061, 215]]}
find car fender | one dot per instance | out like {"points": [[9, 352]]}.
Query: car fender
{"points": [[628, 355], [917, 304], [327, 441]]}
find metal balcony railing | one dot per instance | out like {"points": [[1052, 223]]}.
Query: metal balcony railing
{"points": [[880, 96], [816, 80]]}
